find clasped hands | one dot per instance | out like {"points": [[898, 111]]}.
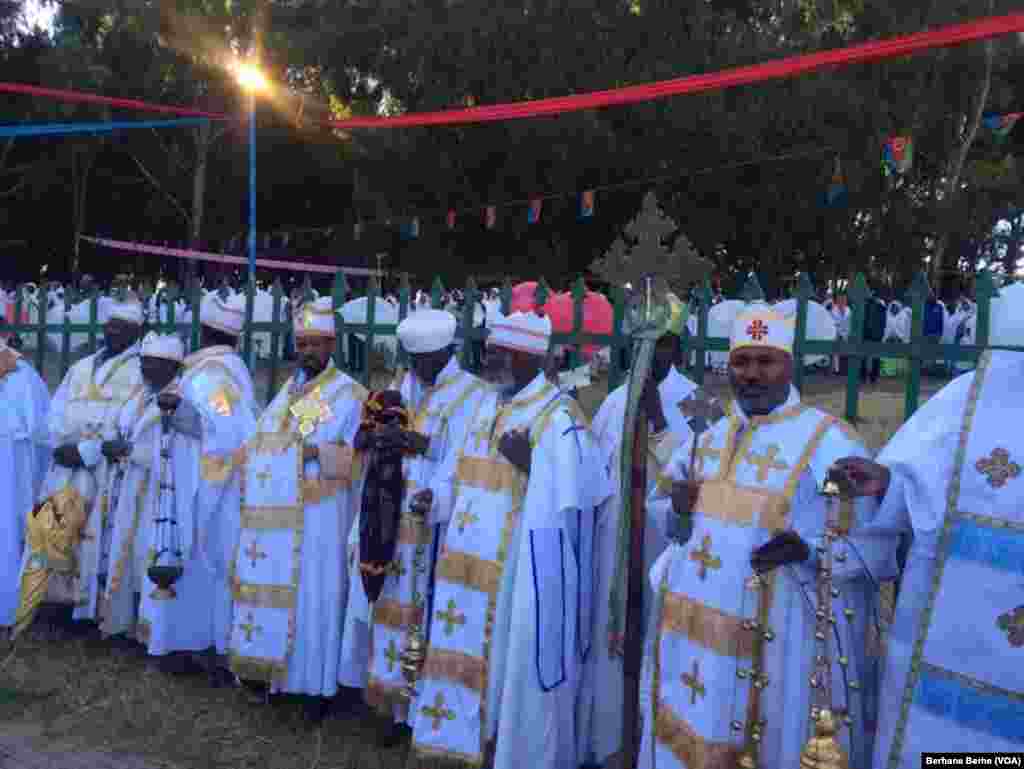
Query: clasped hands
{"points": [[784, 548], [390, 438]]}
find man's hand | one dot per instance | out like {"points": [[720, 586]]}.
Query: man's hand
{"points": [[515, 447], [684, 497], [310, 453], [68, 456], [868, 479], [168, 401], [780, 550], [422, 501], [115, 450]]}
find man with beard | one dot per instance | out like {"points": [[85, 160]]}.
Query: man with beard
{"points": [[83, 414], [147, 501], [601, 690], [502, 666], [729, 658], [299, 495], [441, 398]]}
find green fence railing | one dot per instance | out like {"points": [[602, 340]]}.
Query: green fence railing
{"points": [[357, 358]]}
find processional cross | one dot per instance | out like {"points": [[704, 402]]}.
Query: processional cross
{"points": [[692, 682], [253, 552], [438, 712]]}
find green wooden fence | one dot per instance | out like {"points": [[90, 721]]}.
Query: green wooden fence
{"points": [[357, 362]]}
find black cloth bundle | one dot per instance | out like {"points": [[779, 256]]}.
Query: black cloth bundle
{"points": [[383, 491]]}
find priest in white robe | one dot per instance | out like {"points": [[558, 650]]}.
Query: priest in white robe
{"points": [[299, 494], [154, 513], [216, 380], [729, 659], [952, 478], [83, 414], [25, 452], [441, 398], [599, 717], [502, 666]]}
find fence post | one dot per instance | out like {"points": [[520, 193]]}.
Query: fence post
{"points": [[404, 292], [918, 293], [701, 342], [803, 294], [984, 292], [65, 342], [857, 294], [94, 301], [171, 297], [752, 291], [436, 293], [41, 303], [506, 296], [468, 327], [615, 373], [371, 317], [579, 298], [339, 295], [541, 294], [196, 300], [247, 347], [277, 299]]}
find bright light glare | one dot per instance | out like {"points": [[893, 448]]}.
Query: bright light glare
{"points": [[250, 77]]}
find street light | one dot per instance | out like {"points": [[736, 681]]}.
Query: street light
{"points": [[252, 80]]}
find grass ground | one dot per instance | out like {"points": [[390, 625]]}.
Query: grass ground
{"points": [[84, 695]]}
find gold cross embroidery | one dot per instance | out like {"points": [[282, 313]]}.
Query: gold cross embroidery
{"points": [[998, 468], [249, 627], [466, 518], [253, 552], [438, 712], [481, 435], [451, 617], [704, 557], [392, 655], [692, 682], [1012, 623], [767, 462], [705, 451]]}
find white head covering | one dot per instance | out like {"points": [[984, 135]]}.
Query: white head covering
{"points": [[523, 331], [166, 346], [427, 331], [1006, 317], [762, 327], [227, 315], [315, 318], [130, 312]]}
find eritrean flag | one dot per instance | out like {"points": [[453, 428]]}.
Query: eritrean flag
{"points": [[1001, 125], [587, 204], [837, 195], [490, 217], [897, 155], [533, 214]]}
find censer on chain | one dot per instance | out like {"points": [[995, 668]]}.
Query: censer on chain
{"points": [[166, 564], [822, 750]]}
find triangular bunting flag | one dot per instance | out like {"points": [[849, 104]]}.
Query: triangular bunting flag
{"points": [[410, 230], [1001, 126], [490, 217], [533, 214], [451, 218], [897, 155], [836, 195], [587, 204]]}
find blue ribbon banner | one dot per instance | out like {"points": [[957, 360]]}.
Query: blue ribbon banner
{"points": [[54, 129]]}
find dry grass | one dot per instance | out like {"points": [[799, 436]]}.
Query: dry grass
{"points": [[81, 694]]}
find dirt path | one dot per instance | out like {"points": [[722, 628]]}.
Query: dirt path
{"points": [[24, 747]]}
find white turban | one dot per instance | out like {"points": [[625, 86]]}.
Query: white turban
{"points": [[165, 346], [315, 318], [523, 331], [227, 315], [130, 312], [762, 327], [427, 331], [1006, 318]]}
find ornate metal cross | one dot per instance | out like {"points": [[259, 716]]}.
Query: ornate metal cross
{"points": [[438, 712], [692, 682], [704, 557], [451, 617], [767, 462], [998, 468], [249, 627], [253, 552], [392, 654], [758, 330], [310, 411]]}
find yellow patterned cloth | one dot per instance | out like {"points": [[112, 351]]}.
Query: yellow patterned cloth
{"points": [[54, 529]]}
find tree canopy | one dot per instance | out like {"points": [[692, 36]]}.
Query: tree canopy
{"points": [[743, 172]]}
